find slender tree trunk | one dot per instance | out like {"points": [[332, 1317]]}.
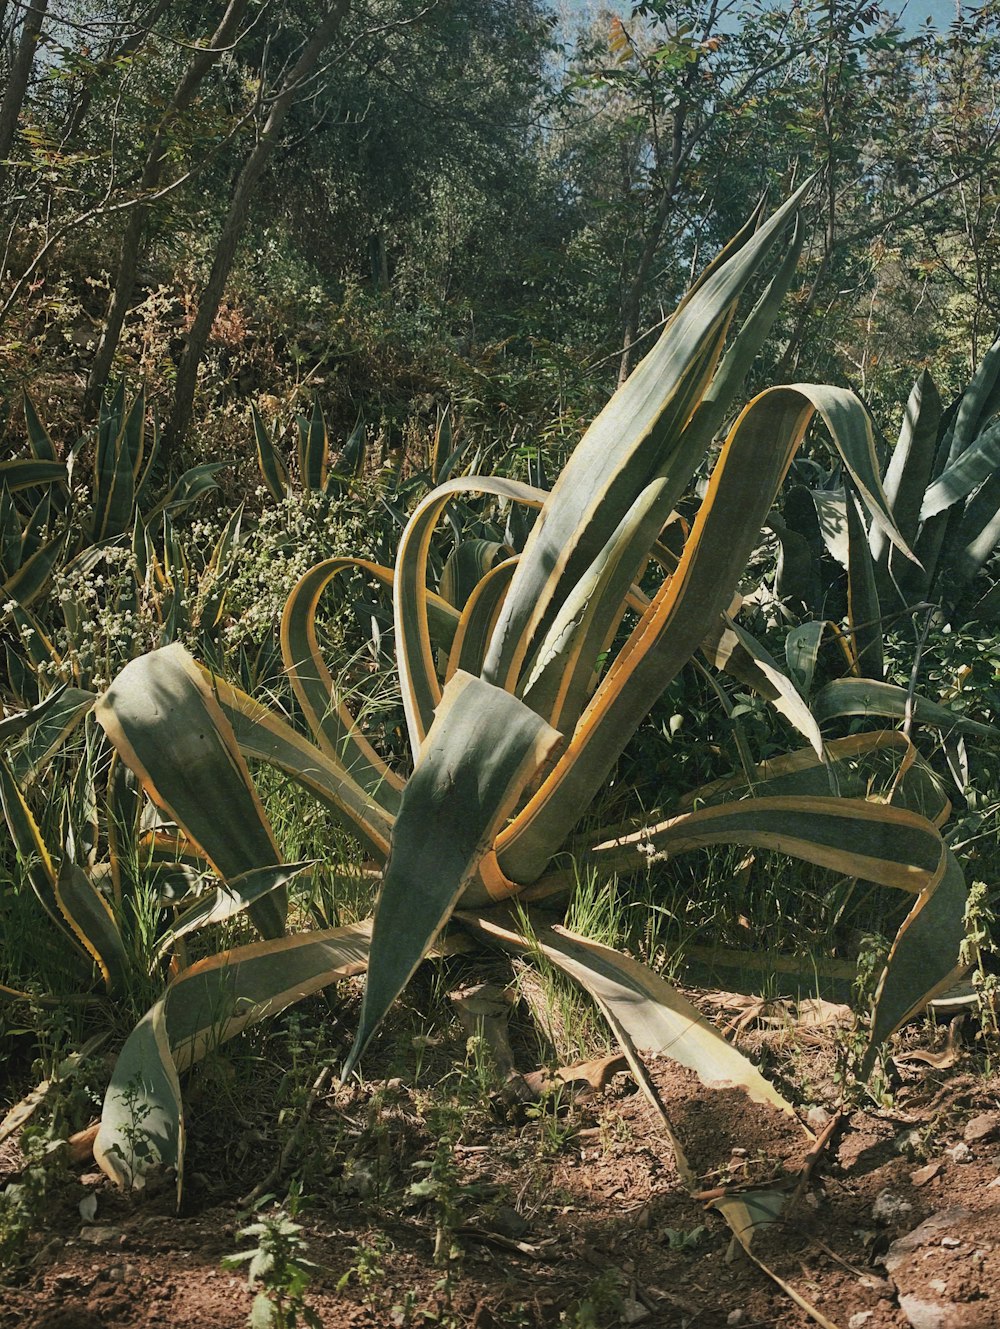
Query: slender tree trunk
{"points": [[17, 84], [135, 226], [235, 222]]}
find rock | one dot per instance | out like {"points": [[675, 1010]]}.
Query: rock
{"points": [[634, 1312], [817, 1119], [100, 1236], [929, 1233], [950, 1242], [859, 1319], [736, 1317], [960, 1153], [983, 1126], [891, 1207], [925, 1174], [922, 1314]]}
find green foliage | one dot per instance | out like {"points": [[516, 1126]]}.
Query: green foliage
{"points": [[278, 1270]]}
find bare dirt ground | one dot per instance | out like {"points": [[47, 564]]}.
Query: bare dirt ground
{"points": [[568, 1214]]}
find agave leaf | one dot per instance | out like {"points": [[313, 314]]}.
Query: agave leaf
{"points": [[32, 576], [37, 527], [142, 1124], [414, 648], [925, 957], [329, 719], [89, 915], [636, 437], [976, 536], [195, 481], [13, 726], [976, 463], [41, 444], [831, 515], [230, 899], [482, 750], [314, 449], [560, 680], [887, 845], [10, 535], [54, 721], [31, 848], [802, 652], [644, 1011], [263, 735], [466, 566], [475, 627], [910, 468], [849, 696], [681, 615], [974, 404], [28, 472], [271, 467], [441, 449], [863, 610], [168, 728], [884, 767], [732, 649]]}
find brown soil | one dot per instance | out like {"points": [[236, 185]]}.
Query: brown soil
{"points": [[574, 1217]]}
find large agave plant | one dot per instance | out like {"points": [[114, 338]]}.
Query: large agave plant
{"points": [[519, 698]]}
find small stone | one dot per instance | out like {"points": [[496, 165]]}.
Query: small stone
{"points": [[950, 1242], [736, 1317], [100, 1236], [859, 1319], [928, 1314], [960, 1153], [125, 1273], [938, 1285], [91, 1178], [981, 1127], [634, 1312], [925, 1174], [994, 1184], [817, 1119], [891, 1207]]}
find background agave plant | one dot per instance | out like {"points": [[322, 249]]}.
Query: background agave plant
{"points": [[519, 695]]}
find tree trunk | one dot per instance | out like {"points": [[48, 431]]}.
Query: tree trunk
{"points": [[131, 246], [235, 222], [20, 73]]}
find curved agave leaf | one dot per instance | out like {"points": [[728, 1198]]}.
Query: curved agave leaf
{"points": [[263, 735], [168, 728], [69, 706], [31, 848], [646, 1014], [887, 845], [910, 469], [976, 536], [644, 1011], [848, 696], [142, 1122], [330, 720], [414, 647], [13, 726], [28, 472], [32, 576], [93, 924], [735, 651], [975, 464], [481, 752], [975, 406], [230, 899], [475, 627]]}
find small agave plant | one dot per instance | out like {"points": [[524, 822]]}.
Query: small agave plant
{"points": [[518, 701]]}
